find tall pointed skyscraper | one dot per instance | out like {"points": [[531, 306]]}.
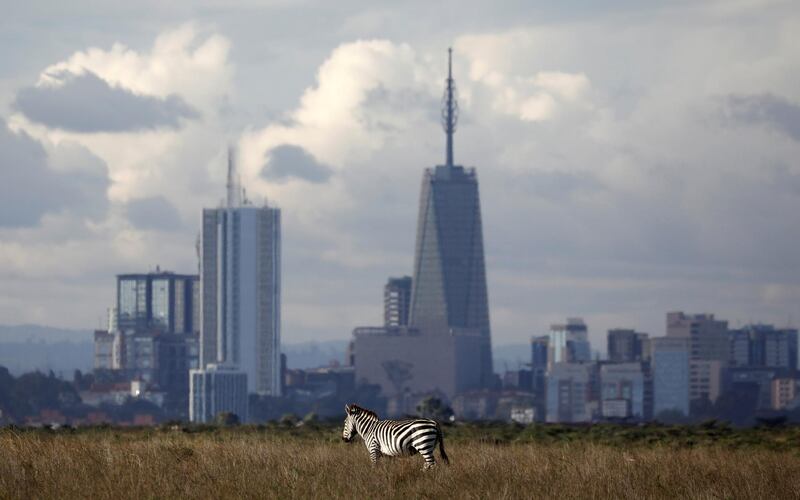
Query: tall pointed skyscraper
{"points": [[446, 347], [449, 294]]}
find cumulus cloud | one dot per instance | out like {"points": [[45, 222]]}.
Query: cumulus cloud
{"points": [[568, 86], [87, 103], [339, 119], [514, 88], [183, 61], [288, 161], [144, 107], [153, 212], [775, 112], [535, 98], [31, 188]]}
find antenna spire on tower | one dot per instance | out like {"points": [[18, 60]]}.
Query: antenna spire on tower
{"points": [[234, 192], [449, 108]]}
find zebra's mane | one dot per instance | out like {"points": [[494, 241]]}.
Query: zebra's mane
{"points": [[365, 411]]}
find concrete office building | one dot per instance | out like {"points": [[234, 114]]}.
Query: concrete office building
{"points": [[623, 386], [152, 333], [670, 367], [568, 393], [240, 280]]}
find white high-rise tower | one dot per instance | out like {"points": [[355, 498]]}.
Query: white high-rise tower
{"points": [[240, 281]]}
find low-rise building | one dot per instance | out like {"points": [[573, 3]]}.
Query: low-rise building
{"points": [[523, 414], [475, 405], [622, 382], [402, 359], [215, 390], [110, 393], [616, 408]]}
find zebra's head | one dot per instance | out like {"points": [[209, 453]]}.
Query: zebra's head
{"points": [[349, 431]]}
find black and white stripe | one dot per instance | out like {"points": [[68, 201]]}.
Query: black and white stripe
{"points": [[394, 437]]}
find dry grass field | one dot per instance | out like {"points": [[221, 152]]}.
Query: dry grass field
{"points": [[117, 464]]}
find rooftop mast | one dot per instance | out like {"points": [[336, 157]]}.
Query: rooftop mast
{"points": [[234, 192], [449, 108]]}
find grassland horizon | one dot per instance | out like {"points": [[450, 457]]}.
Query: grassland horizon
{"points": [[499, 462]]}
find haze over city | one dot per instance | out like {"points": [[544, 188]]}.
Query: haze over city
{"points": [[634, 158]]}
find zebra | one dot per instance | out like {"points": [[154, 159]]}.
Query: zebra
{"points": [[394, 437]]}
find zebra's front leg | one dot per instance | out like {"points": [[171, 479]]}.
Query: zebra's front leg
{"points": [[374, 453]]}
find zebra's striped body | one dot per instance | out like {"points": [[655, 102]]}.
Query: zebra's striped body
{"points": [[394, 437]]}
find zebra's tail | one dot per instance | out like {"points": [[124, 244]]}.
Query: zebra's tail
{"points": [[441, 443]]}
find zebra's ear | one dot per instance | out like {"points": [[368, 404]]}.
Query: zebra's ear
{"points": [[347, 409]]}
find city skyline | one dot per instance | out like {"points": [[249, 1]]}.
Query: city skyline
{"points": [[610, 193]]}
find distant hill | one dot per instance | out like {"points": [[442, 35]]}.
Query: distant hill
{"points": [[26, 348], [37, 333]]}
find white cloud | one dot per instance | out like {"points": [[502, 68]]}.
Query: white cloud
{"points": [[334, 120], [516, 90], [535, 108], [181, 61], [567, 86]]}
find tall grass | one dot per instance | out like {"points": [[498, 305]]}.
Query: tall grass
{"points": [[150, 464]]}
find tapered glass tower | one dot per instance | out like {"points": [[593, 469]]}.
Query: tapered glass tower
{"points": [[449, 295]]}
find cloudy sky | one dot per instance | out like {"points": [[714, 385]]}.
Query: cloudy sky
{"points": [[634, 157]]}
